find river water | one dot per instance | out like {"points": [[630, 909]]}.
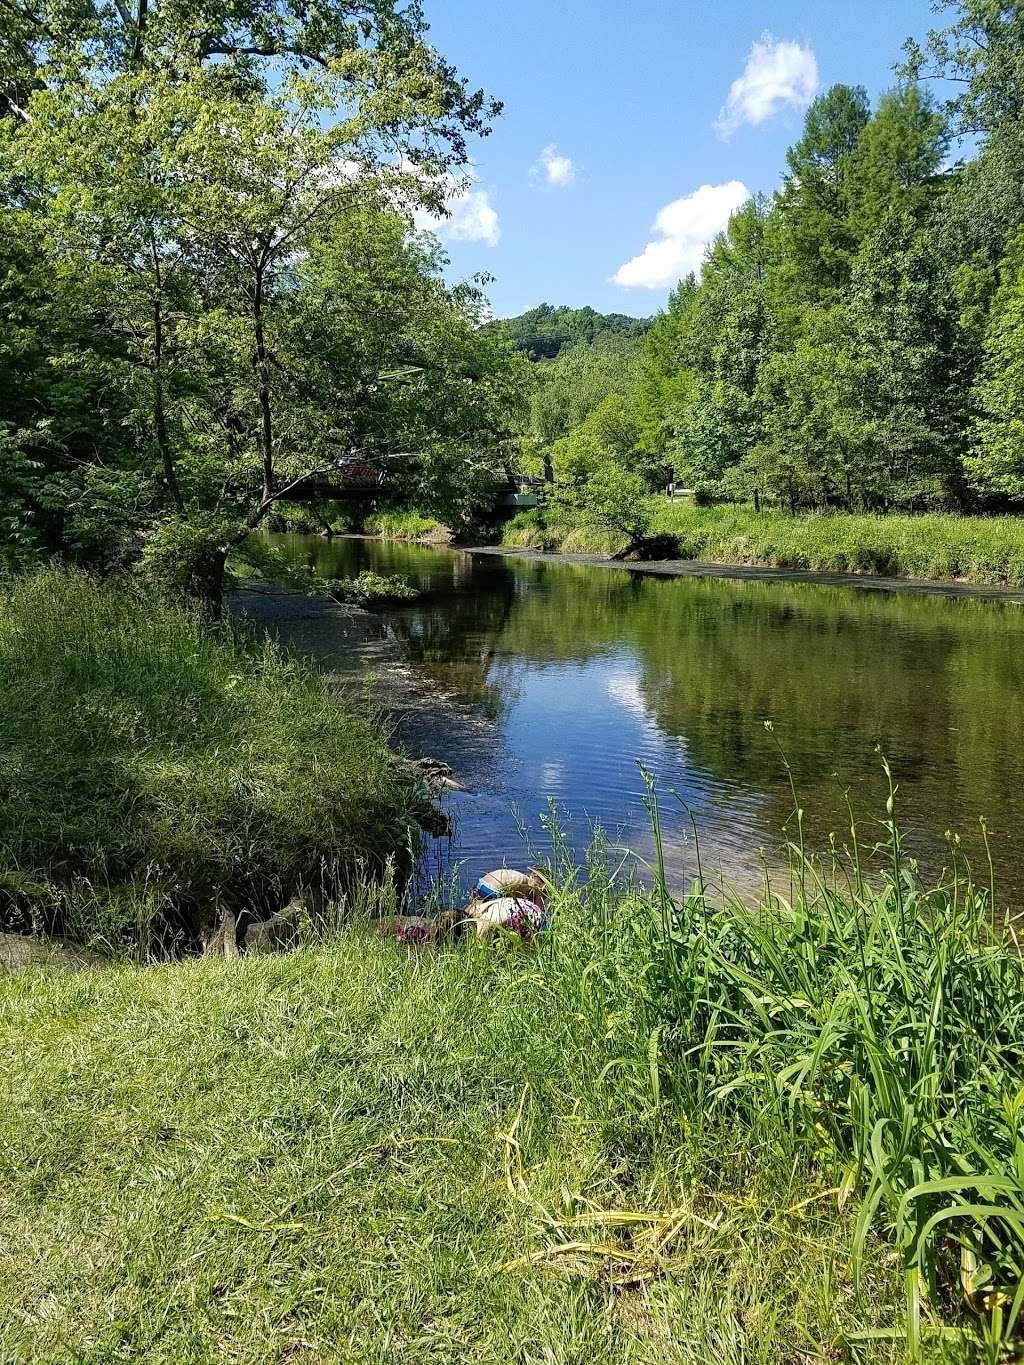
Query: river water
{"points": [[547, 683]]}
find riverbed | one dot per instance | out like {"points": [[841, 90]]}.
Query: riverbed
{"points": [[551, 688]]}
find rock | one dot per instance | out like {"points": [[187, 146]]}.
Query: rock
{"points": [[437, 774], [223, 942], [278, 933], [21, 951]]}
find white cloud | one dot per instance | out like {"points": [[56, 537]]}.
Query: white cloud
{"points": [[553, 168], [684, 227], [778, 75], [471, 216]]}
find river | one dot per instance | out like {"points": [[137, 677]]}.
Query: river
{"points": [[549, 685]]}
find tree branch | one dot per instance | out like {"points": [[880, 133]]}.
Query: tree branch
{"points": [[210, 48]]}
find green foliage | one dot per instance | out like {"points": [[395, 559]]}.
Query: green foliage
{"points": [[185, 559], [370, 589], [608, 434], [997, 463], [213, 294], [831, 354], [897, 156], [613, 499], [544, 332], [150, 759], [929, 546], [568, 388]]}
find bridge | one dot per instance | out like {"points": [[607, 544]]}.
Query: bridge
{"points": [[354, 481]]}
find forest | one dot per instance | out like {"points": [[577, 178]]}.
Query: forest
{"points": [[214, 291], [219, 290], [855, 340]]}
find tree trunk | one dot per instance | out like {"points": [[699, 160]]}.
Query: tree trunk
{"points": [[159, 415], [263, 386]]}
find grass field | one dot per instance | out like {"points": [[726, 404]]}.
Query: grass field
{"points": [[351, 1154], [938, 546], [675, 1131]]}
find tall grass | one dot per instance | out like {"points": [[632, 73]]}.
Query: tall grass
{"points": [[401, 524], [933, 546], [155, 768], [876, 1030]]}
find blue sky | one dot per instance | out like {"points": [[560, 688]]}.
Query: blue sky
{"points": [[614, 113]]}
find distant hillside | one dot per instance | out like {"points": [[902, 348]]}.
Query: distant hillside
{"points": [[545, 331]]}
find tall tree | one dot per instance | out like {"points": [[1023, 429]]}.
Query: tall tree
{"points": [[904, 317], [996, 463], [897, 157], [813, 242]]}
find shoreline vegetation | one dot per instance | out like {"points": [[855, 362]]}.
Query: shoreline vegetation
{"points": [[762, 1125], [163, 770], [942, 548], [937, 546], [681, 1127]]}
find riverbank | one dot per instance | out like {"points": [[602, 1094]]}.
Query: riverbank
{"points": [[673, 1131], [162, 770], [760, 573], [983, 551]]}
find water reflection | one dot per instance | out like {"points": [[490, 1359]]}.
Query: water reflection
{"points": [[541, 681]]}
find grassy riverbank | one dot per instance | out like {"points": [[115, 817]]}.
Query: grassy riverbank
{"points": [[938, 546], [676, 1131], [402, 524], [156, 767]]}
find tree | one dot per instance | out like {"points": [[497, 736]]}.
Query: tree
{"points": [[904, 317], [616, 499], [608, 435], [980, 54], [996, 463], [812, 396], [812, 240], [577, 380], [544, 332], [184, 166], [664, 380], [896, 159]]}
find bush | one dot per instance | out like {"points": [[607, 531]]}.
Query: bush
{"points": [[185, 560], [153, 768], [373, 589]]}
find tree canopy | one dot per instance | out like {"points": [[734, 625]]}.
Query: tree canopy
{"points": [[214, 293]]}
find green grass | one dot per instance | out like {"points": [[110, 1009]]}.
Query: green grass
{"points": [[154, 767], [401, 524], [681, 1129], [368, 589], [358, 1154], [933, 546]]}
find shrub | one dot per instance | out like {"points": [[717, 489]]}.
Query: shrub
{"points": [[185, 559], [373, 589]]}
